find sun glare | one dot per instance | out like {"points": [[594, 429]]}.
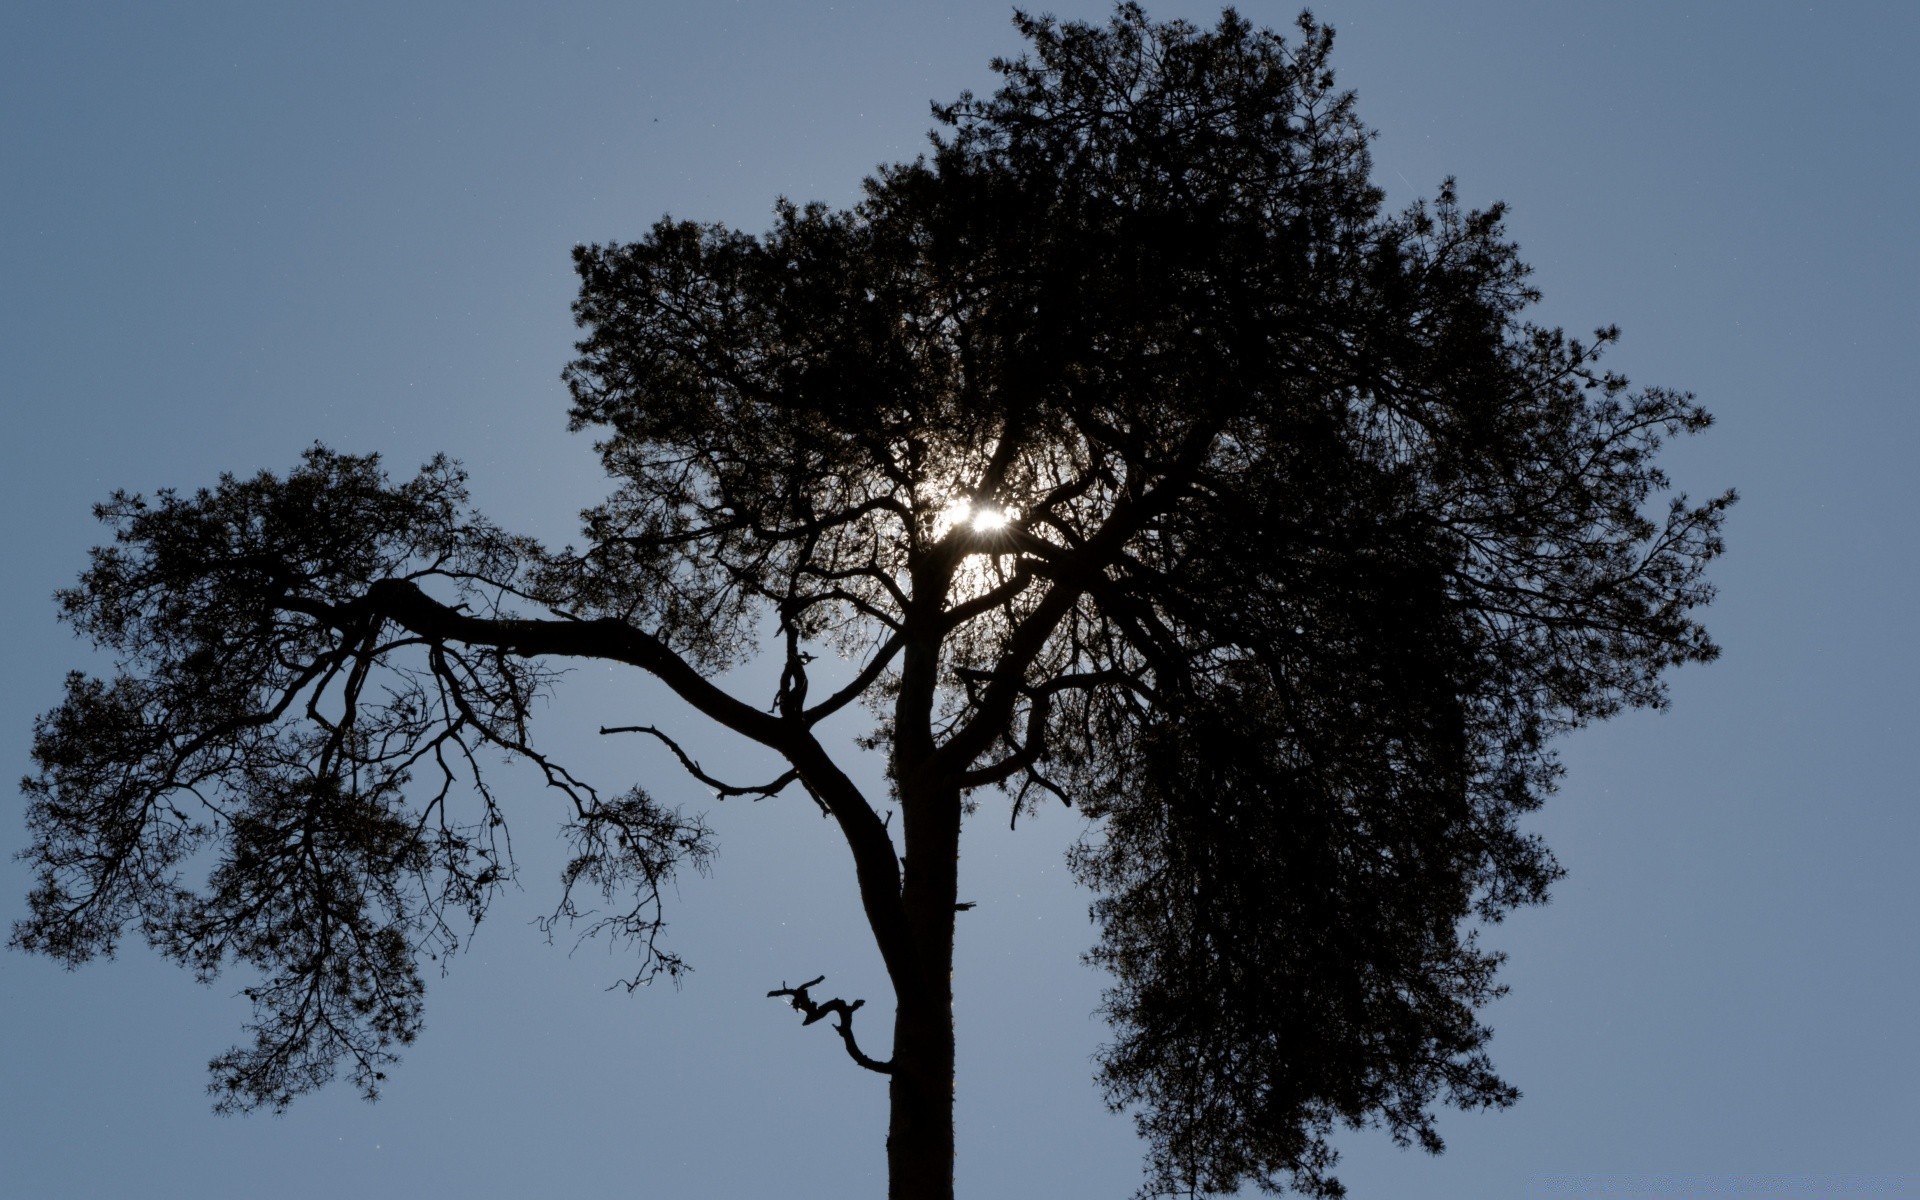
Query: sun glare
{"points": [[981, 520]]}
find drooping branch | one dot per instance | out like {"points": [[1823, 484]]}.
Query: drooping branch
{"points": [[722, 789], [843, 1025], [1034, 779]]}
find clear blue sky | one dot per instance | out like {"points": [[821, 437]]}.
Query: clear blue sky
{"points": [[228, 230]]}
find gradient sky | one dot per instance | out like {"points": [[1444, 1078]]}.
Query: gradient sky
{"points": [[228, 230]]}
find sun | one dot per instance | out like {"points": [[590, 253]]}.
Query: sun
{"points": [[980, 520]]}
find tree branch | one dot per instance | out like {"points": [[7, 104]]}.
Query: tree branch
{"points": [[843, 1011], [876, 863], [404, 603], [1034, 745], [960, 614], [693, 768], [858, 686]]}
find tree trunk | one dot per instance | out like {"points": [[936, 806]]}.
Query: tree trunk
{"points": [[920, 1131]]}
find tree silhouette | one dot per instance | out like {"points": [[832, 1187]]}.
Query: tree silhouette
{"points": [[1134, 455]]}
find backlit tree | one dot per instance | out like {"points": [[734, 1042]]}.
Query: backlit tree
{"points": [[1134, 456]]}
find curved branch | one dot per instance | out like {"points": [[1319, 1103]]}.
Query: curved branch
{"points": [[859, 684], [960, 614], [693, 768], [404, 603], [1024, 756], [1034, 745], [843, 1011], [876, 575]]}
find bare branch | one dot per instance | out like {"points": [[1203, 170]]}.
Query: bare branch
{"points": [[841, 1009], [721, 789]]}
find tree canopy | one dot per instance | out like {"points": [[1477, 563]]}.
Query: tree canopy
{"points": [[1135, 455]]}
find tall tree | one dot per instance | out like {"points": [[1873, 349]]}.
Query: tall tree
{"points": [[1135, 456]]}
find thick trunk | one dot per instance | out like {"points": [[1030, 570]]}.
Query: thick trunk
{"points": [[920, 1132]]}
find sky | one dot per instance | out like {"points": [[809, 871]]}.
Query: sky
{"points": [[230, 230]]}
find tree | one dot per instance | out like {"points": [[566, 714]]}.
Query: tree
{"points": [[1132, 453]]}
